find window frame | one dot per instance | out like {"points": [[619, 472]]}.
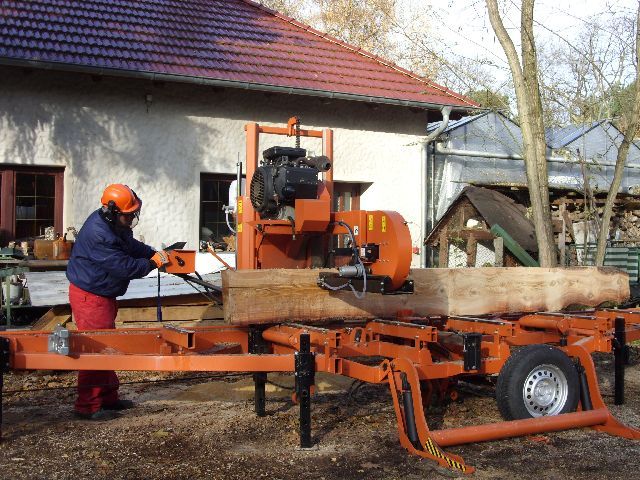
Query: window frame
{"points": [[8, 197], [224, 177]]}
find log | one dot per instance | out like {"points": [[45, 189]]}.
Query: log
{"points": [[274, 296]]}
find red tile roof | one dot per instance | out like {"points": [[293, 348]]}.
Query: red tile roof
{"points": [[230, 42]]}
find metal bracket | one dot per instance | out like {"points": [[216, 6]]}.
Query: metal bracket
{"points": [[472, 343], [59, 340], [375, 283]]}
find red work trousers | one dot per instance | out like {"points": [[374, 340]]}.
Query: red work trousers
{"points": [[93, 312]]}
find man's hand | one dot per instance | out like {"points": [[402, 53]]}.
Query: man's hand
{"points": [[160, 258]]}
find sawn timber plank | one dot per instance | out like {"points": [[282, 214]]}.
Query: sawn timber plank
{"points": [[274, 296]]}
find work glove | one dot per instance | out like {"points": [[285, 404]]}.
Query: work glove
{"points": [[160, 258]]}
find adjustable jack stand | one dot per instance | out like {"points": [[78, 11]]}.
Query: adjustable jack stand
{"points": [[305, 377]]}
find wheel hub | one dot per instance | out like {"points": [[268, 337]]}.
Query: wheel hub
{"points": [[545, 391]]}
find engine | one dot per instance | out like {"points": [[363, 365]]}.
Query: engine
{"points": [[285, 174]]}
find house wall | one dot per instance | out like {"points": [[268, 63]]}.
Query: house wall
{"points": [[102, 130]]}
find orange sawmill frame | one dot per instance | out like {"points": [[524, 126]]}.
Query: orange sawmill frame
{"points": [[414, 350]]}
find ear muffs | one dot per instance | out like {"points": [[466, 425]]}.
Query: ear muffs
{"points": [[111, 211]]}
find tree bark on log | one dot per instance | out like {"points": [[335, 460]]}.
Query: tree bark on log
{"points": [[276, 296]]}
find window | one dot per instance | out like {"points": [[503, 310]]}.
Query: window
{"points": [[31, 200], [214, 193]]}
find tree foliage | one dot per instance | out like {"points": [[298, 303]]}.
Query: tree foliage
{"points": [[367, 25], [583, 78], [621, 101], [396, 30], [489, 99]]}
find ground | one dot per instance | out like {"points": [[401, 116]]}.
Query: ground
{"points": [[204, 427]]}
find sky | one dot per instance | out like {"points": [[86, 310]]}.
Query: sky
{"points": [[464, 24]]}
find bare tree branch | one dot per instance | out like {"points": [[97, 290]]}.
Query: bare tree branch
{"points": [[623, 150]]}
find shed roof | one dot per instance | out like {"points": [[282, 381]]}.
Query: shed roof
{"points": [[496, 209], [454, 124], [563, 136], [233, 43]]}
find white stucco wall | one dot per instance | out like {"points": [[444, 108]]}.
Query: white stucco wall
{"points": [[104, 131]]}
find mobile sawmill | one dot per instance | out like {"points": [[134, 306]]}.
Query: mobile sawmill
{"points": [[546, 380]]}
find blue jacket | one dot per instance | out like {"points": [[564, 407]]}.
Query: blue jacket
{"points": [[104, 258]]}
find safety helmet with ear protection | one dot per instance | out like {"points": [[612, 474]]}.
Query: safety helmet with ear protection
{"points": [[124, 199], [119, 199]]}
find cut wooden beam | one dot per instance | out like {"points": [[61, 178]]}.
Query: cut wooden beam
{"points": [[443, 249], [472, 251], [60, 314], [170, 313], [274, 296], [498, 246]]}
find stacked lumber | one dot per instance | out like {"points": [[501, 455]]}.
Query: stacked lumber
{"points": [[181, 310], [274, 296]]}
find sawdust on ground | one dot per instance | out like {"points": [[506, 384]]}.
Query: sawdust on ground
{"points": [[204, 427]]}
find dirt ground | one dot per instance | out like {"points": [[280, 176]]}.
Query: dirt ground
{"points": [[185, 427]]}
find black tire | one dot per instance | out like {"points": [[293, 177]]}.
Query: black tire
{"points": [[552, 383]]}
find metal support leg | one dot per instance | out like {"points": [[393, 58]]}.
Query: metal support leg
{"points": [[619, 347], [260, 396], [409, 413], [305, 377], [257, 345], [585, 395], [4, 367]]}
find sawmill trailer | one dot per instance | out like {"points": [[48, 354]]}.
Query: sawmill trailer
{"points": [[546, 379]]}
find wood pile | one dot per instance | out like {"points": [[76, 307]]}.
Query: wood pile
{"points": [[143, 313]]}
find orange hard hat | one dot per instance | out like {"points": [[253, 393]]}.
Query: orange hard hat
{"points": [[125, 199]]}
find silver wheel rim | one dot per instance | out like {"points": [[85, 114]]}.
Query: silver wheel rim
{"points": [[545, 391]]}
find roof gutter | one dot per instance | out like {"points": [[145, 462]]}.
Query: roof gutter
{"points": [[507, 156], [263, 87]]}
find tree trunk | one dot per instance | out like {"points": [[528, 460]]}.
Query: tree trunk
{"points": [[525, 79], [621, 159]]}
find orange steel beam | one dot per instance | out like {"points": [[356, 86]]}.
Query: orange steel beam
{"points": [[245, 213], [327, 150], [285, 131], [481, 325], [165, 363], [179, 336], [518, 428], [138, 341], [414, 332]]}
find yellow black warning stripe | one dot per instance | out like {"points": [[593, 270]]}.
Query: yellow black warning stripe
{"points": [[434, 450]]}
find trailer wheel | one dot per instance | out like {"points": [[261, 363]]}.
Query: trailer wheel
{"points": [[537, 380]]}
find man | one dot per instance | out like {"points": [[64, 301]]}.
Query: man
{"points": [[104, 259]]}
